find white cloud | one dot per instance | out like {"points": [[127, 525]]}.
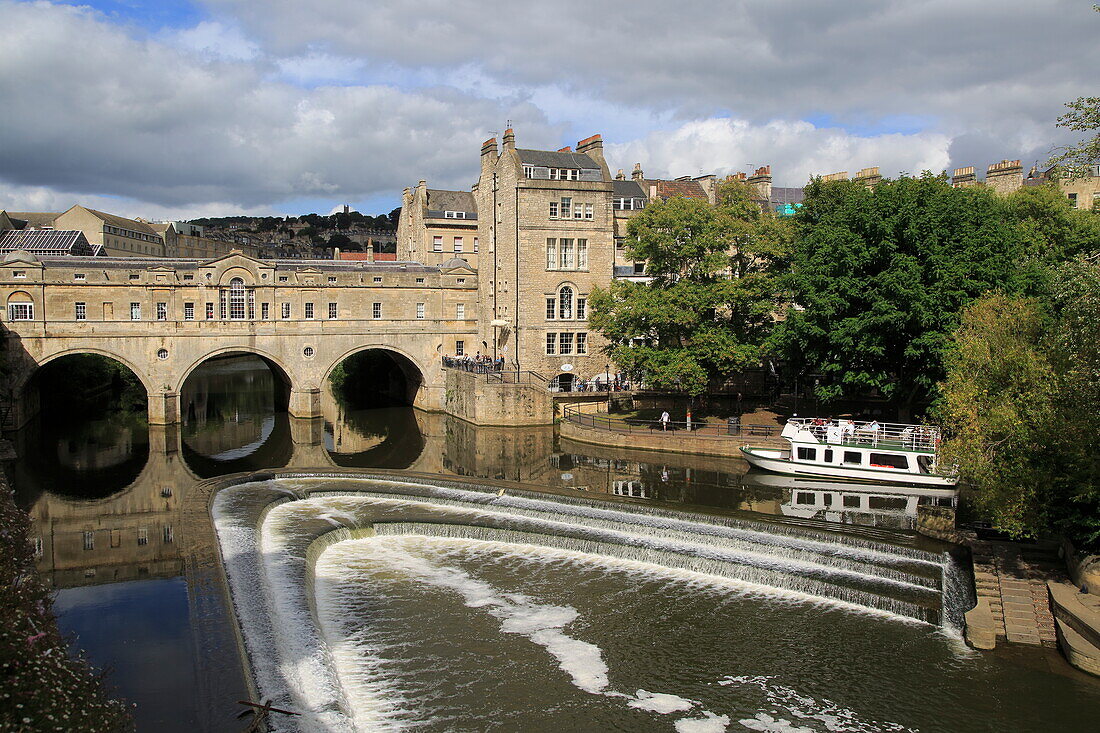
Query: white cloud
{"points": [[216, 40]]}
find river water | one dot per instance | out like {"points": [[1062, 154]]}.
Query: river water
{"points": [[370, 604]]}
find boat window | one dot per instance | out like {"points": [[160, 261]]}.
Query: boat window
{"points": [[851, 502], [807, 454], [924, 463], [889, 460], [805, 497], [853, 456], [886, 502], [828, 455]]}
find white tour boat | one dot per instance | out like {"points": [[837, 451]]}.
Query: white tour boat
{"points": [[890, 453]]}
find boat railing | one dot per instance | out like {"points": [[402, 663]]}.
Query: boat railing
{"points": [[906, 436]]}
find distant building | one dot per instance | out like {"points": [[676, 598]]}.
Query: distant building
{"points": [[437, 225], [48, 243]]}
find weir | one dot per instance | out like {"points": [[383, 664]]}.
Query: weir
{"points": [[273, 534]]}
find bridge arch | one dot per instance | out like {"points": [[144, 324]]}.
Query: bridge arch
{"points": [[412, 370], [25, 379], [281, 370]]}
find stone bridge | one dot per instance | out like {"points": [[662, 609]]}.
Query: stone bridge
{"points": [[163, 318]]}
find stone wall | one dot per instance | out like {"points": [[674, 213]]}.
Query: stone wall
{"points": [[669, 442], [473, 398]]}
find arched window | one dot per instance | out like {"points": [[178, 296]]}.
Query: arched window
{"points": [[20, 307], [565, 302], [236, 299]]}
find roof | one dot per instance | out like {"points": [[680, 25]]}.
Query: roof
{"points": [[32, 219], [627, 190], [46, 242], [683, 189], [455, 262], [122, 222], [367, 257], [440, 200], [786, 195], [556, 160], [190, 265]]}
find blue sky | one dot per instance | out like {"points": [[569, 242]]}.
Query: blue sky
{"points": [[216, 107]]}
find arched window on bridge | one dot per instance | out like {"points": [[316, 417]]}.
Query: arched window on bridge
{"points": [[238, 302], [20, 307]]}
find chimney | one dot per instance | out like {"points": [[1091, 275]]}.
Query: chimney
{"points": [[964, 177], [840, 176], [761, 180], [620, 176], [370, 250], [740, 177], [1005, 177], [869, 177], [509, 141], [636, 174], [566, 149], [593, 148]]}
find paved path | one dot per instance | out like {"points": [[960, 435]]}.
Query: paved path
{"points": [[1012, 577]]}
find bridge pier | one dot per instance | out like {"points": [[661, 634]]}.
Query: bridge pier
{"points": [[305, 403], [164, 408]]}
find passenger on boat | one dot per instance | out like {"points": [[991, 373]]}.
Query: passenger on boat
{"points": [[907, 437], [847, 430]]}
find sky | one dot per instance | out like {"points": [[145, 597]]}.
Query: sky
{"points": [[175, 110]]}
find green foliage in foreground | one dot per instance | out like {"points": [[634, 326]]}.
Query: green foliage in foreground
{"points": [[43, 688], [713, 297], [878, 277], [1021, 406]]}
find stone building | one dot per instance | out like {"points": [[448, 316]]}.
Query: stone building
{"points": [[183, 239], [437, 225]]}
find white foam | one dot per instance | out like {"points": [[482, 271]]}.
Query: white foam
{"points": [[709, 723], [660, 702], [765, 722]]}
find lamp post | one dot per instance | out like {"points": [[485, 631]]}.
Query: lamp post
{"points": [[607, 379]]}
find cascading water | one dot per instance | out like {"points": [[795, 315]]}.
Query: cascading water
{"points": [[371, 604]]}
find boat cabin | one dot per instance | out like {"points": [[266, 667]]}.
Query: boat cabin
{"points": [[892, 447]]}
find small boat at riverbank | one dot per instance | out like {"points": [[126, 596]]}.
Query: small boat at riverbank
{"points": [[889, 453]]}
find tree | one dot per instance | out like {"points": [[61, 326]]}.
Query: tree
{"points": [[712, 298], [1021, 403], [393, 218], [339, 240], [1077, 160], [878, 277]]}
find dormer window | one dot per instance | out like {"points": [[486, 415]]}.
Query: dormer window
{"points": [[454, 214], [565, 174], [529, 171], [19, 274]]}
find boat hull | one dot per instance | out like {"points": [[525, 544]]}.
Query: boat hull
{"points": [[770, 459]]}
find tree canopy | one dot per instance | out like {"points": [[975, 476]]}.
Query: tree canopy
{"points": [[712, 296], [878, 278]]}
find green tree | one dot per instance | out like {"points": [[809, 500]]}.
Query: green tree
{"points": [[712, 297], [1021, 404], [878, 277]]}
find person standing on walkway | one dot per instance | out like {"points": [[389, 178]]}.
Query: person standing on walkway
{"points": [[664, 420]]}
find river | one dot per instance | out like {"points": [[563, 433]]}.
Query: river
{"points": [[473, 611]]}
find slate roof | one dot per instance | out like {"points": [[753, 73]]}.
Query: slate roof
{"points": [[186, 265], [32, 219], [46, 242], [786, 195], [627, 190], [439, 200], [556, 160], [122, 222]]}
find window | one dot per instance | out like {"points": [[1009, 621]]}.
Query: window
{"points": [[265, 311], [135, 311], [889, 460], [578, 211], [460, 311], [332, 278], [551, 254], [458, 244], [22, 310], [162, 354], [437, 244], [476, 244], [309, 310], [807, 454], [376, 311], [454, 214], [551, 343], [582, 343], [565, 302], [81, 311], [168, 534], [134, 276], [20, 274], [308, 352], [143, 536], [419, 281], [89, 540], [851, 502], [853, 458], [460, 348], [162, 311], [553, 209], [188, 277], [565, 343], [828, 455], [376, 280], [551, 308], [283, 278], [332, 311], [460, 281], [565, 174], [284, 310], [582, 254], [188, 311], [79, 276], [639, 268], [566, 208], [1073, 201], [209, 311], [565, 250], [420, 311], [528, 170], [582, 308]]}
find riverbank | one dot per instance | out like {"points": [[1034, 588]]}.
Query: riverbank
{"points": [[45, 688]]}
